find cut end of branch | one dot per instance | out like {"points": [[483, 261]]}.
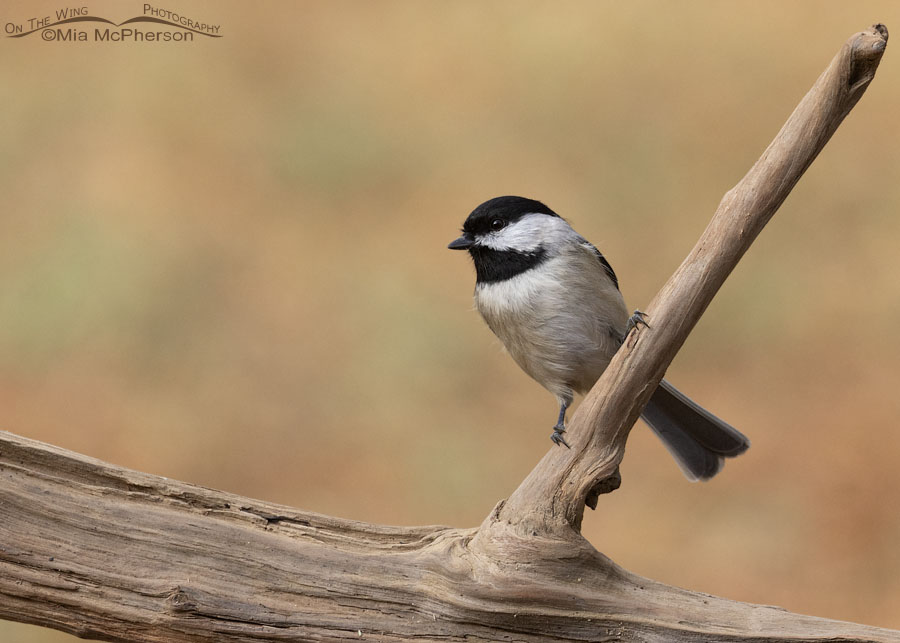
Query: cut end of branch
{"points": [[866, 50]]}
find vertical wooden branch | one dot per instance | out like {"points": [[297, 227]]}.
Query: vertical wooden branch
{"points": [[553, 495]]}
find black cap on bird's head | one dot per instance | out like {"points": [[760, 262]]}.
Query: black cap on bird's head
{"points": [[494, 215]]}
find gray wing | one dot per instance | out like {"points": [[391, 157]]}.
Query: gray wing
{"points": [[603, 262]]}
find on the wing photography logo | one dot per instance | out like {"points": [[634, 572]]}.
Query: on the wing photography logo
{"points": [[74, 24]]}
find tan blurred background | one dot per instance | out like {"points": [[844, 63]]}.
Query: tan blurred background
{"points": [[224, 262]]}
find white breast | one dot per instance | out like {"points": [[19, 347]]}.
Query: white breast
{"points": [[559, 321]]}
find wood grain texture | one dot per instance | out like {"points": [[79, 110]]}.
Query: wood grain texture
{"points": [[113, 554], [109, 553]]}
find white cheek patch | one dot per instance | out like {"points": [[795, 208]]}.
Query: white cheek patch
{"points": [[529, 233]]}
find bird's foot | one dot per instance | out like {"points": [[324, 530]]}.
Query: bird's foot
{"points": [[557, 436], [637, 319]]}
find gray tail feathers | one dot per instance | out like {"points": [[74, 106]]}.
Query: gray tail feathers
{"points": [[697, 439]]}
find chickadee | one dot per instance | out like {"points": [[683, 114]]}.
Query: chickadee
{"points": [[553, 300]]}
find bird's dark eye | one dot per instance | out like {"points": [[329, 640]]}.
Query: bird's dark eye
{"points": [[498, 224]]}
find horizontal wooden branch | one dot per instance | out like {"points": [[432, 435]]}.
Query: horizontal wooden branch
{"points": [[108, 553], [553, 496]]}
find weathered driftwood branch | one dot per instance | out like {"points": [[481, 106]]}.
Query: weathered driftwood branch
{"points": [[108, 553], [554, 494], [104, 552]]}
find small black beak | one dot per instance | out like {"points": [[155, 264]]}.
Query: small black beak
{"points": [[463, 243]]}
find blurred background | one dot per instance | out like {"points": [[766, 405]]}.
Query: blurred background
{"points": [[224, 262]]}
